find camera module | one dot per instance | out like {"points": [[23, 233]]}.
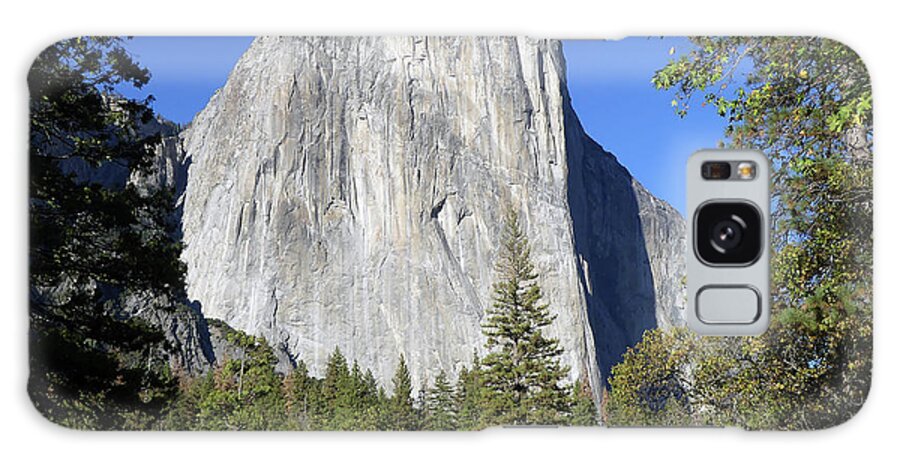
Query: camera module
{"points": [[728, 233]]}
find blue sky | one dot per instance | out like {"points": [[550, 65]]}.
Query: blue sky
{"points": [[185, 71], [609, 82]]}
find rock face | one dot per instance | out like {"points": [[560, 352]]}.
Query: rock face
{"points": [[189, 349], [349, 192], [183, 326], [629, 245]]}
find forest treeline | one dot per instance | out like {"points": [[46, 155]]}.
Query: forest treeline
{"points": [[248, 394]]}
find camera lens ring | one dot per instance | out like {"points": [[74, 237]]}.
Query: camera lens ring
{"points": [[740, 246]]}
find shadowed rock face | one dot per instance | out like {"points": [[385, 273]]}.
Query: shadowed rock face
{"points": [[349, 192], [182, 324], [629, 246]]}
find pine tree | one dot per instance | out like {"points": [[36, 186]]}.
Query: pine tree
{"points": [[470, 396], [403, 415], [584, 412], [336, 376], [370, 405], [522, 372], [370, 387], [384, 411], [259, 395], [301, 396], [440, 405], [420, 403], [337, 394], [357, 387]]}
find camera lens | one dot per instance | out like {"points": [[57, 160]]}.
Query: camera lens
{"points": [[728, 233]]}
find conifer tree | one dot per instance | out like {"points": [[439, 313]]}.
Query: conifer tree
{"points": [[337, 393], [370, 387], [584, 412], [357, 388], [420, 403], [384, 410], [470, 396], [522, 372], [403, 415], [336, 376], [440, 405], [259, 395], [301, 396], [371, 405]]}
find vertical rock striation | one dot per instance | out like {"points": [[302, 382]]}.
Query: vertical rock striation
{"points": [[349, 192]]}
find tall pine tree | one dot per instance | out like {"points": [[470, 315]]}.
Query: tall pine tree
{"points": [[337, 393], [440, 405], [301, 393], [584, 412], [522, 372], [470, 396], [403, 415]]}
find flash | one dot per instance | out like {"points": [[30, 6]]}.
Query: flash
{"points": [[746, 170]]}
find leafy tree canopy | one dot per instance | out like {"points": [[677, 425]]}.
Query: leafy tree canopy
{"points": [[807, 104]]}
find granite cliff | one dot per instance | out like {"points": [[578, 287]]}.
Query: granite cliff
{"points": [[349, 192]]}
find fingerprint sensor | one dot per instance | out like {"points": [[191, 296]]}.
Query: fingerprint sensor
{"points": [[725, 304]]}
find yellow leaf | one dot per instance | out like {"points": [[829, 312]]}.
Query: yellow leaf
{"points": [[672, 51]]}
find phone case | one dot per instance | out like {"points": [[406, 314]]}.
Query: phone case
{"points": [[419, 233]]}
